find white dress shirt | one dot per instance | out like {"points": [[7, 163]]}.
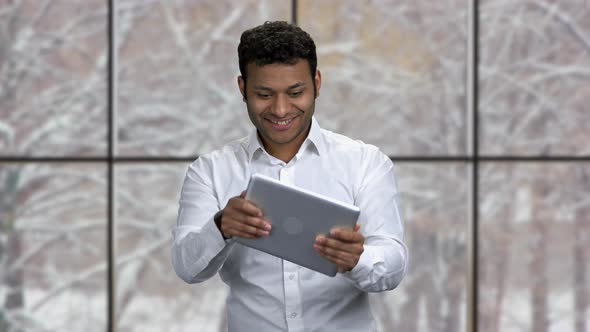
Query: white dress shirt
{"points": [[271, 294]]}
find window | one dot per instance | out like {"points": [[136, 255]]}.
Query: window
{"points": [[480, 104]]}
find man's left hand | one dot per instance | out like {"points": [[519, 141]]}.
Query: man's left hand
{"points": [[343, 247]]}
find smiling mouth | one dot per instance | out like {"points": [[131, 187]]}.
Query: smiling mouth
{"points": [[282, 122]]}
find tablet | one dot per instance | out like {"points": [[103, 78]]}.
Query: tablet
{"points": [[297, 217]]}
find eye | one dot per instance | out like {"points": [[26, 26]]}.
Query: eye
{"points": [[295, 93], [263, 95]]}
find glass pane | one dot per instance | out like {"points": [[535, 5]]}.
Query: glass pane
{"points": [[53, 78], [178, 67], [149, 294], [53, 247], [534, 270], [393, 72], [432, 297], [534, 77]]}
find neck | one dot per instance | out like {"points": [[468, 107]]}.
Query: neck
{"points": [[286, 151], [284, 154]]}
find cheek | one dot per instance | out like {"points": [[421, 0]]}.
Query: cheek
{"points": [[305, 104], [256, 107]]}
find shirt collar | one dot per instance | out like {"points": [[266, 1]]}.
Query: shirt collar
{"points": [[253, 144], [315, 137]]}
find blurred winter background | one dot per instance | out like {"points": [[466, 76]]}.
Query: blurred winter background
{"points": [[394, 75]]}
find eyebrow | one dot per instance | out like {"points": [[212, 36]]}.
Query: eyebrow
{"points": [[265, 88]]}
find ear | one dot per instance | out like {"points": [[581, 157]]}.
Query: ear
{"points": [[242, 87], [318, 82]]}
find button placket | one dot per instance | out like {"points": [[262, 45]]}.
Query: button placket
{"points": [[286, 175], [293, 306]]}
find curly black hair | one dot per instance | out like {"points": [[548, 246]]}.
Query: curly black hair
{"points": [[276, 42]]}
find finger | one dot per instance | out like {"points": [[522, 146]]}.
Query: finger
{"points": [[230, 231], [346, 252], [248, 208], [336, 244], [240, 201], [237, 216], [343, 265], [239, 228], [339, 254], [357, 227], [238, 206], [259, 223], [234, 233], [253, 221], [347, 235], [253, 225], [249, 235], [255, 231]]}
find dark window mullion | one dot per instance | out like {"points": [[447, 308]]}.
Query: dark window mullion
{"points": [[425, 158], [111, 95], [476, 160], [294, 12]]}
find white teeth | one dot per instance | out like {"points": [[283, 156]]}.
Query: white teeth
{"points": [[282, 123]]}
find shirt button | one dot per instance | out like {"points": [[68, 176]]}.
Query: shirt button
{"points": [[291, 277], [293, 315]]}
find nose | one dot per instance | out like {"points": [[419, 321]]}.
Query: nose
{"points": [[281, 106]]}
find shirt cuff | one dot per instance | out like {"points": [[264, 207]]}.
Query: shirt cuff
{"points": [[215, 239], [363, 266]]}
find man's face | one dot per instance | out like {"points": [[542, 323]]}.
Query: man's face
{"points": [[280, 101]]}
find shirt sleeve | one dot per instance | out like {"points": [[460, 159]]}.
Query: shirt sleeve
{"points": [[383, 263], [198, 247]]}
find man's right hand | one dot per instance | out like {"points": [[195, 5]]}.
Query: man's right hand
{"points": [[242, 218]]}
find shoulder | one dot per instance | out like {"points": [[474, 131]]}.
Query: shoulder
{"points": [[359, 162], [230, 154], [346, 147]]}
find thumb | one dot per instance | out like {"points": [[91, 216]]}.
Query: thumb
{"points": [[357, 227], [243, 194]]}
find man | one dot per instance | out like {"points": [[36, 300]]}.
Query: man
{"points": [[279, 83]]}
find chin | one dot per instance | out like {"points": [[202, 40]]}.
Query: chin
{"points": [[278, 140]]}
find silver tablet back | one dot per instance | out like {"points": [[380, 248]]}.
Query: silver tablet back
{"points": [[297, 216]]}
